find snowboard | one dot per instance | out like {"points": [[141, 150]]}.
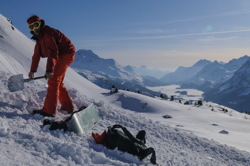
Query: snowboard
{"points": [[82, 121]]}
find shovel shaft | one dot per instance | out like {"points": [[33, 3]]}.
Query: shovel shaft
{"points": [[31, 79], [36, 78]]}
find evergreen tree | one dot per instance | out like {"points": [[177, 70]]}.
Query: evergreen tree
{"points": [[199, 102]]}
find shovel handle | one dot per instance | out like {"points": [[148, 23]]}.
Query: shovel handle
{"points": [[35, 78]]}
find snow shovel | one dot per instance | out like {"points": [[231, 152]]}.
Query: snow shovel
{"points": [[16, 82]]}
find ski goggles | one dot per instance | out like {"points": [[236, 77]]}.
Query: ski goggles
{"points": [[34, 25]]}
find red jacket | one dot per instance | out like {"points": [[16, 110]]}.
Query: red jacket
{"points": [[50, 43]]}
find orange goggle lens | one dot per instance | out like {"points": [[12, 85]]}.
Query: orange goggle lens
{"points": [[34, 25]]}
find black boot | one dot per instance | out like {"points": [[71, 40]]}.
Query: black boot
{"points": [[44, 114], [145, 152], [56, 125], [141, 136], [47, 122], [59, 125]]}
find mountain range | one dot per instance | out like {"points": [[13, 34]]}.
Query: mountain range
{"points": [[224, 83], [218, 72], [183, 74], [203, 75], [107, 72], [145, 71], [235, 92], [87, 60]]}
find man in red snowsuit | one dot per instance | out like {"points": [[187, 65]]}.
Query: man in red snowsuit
{"points": [[60, 53]]}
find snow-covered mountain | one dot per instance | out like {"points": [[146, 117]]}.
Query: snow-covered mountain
{"points": [[234, 93], [193, 136], [107, 72], [87, 60], [145, 71], [204, 72], [12, 48], [218, 72], [183, 74], [214, 74]]}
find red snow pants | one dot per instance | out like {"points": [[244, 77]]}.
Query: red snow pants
{"points": [[56, 89]]}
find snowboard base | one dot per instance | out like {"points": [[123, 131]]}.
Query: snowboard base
{"points": [[82, 121]]}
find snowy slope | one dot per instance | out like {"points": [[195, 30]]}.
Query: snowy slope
{"points": [[15, 46], [183, 140], [24, 141], [16, 51]]}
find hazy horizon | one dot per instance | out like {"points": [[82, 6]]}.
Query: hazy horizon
{"points": [[158, 34]]}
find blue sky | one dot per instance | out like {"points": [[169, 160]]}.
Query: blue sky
{"points": [[156, 33]]}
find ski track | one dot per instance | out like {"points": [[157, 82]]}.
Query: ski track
{"points": [[8, 58], [22, 65], [5, 66], [24, 141]]}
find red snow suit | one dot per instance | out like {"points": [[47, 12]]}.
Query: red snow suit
{"points": [[60, 53]]}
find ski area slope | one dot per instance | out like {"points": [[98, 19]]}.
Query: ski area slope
{"points": [[24, 141], [15, 46], [185, 139], [199, 120]]}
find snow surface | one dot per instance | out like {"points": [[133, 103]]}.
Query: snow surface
{"points": [[194, 135]]}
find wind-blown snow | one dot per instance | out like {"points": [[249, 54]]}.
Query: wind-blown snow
{"points": [[185, 139]]}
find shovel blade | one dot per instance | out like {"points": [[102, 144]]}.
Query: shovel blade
{"points": [[16, 83]]}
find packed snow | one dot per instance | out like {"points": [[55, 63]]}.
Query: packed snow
{"points": [[194, 135]]}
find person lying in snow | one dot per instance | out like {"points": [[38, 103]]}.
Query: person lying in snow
{"points": [[125, 142], [112, 139]]}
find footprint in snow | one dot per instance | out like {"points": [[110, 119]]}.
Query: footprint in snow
{"points": [[179, 126], [215, 125]]}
